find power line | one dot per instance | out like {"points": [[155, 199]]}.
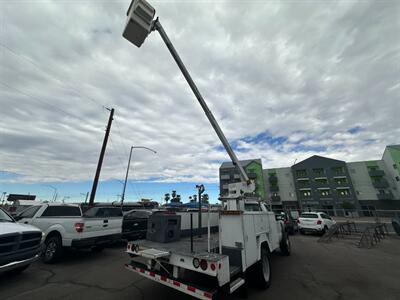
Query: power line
{"points": [[59, 81], [44, 102]]}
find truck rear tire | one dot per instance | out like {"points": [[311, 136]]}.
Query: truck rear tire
{"points": [[262, 270], [52, 249], [284, 245]]}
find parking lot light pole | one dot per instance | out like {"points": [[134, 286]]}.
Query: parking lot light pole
{"points": [[127, 169]]}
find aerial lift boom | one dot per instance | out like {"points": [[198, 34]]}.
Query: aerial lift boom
{"points": [[140, 24]]}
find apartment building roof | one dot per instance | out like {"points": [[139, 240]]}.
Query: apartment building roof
{"points": [[244, 163]]}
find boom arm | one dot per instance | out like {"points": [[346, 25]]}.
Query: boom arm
{"points": [[157, 26]]}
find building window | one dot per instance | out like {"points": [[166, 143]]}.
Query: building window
{"points": [[304, 183], [325, 193], [323, 181], [338, 170], [340, 180], [397, 178], [301, 173], [343, 192], [305, 193], [372, 168], [319, 172]]}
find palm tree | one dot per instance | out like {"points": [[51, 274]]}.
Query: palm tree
{"points": [[166, 198]]}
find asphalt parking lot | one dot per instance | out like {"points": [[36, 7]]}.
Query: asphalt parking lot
{"points": [[338, 270]]}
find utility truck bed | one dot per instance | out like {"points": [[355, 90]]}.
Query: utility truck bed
{"points": [[182, 246]]}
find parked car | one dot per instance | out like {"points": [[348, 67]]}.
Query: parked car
{"points": [[316, 222], [134, 224], [64, 225], [289, 222], [20, 244]]}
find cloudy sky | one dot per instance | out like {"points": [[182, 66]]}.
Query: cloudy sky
{"points": [[285, 80]]}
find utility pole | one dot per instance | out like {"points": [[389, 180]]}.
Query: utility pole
{"points": [[200, 189], [100, 163]]}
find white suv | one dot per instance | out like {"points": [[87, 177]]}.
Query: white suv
{"points": [[318, 222]]}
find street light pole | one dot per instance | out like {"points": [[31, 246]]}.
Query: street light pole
{"points": [[127, 169], [55, 193]]}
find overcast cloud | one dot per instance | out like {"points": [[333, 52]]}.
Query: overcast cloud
{"points": [[286, 80]]}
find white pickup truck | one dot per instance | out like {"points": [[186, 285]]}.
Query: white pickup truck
{"points": [[19, 244], [217, 264], [64, 225]]}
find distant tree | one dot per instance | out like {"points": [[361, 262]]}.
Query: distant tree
{"points": [[166, 198], [204, 198], [194, 198], [173, 194]]}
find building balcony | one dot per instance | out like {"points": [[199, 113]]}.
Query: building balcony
{"points": [[385, 196], [380, 184], [338, 174], [225, 177], [236, 176], [321, 183], [276, 198], [341, 183], [274, 188], [304, 184], [376, 173]]}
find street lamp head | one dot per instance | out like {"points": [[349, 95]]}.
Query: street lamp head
{"points": [[139, 22]]}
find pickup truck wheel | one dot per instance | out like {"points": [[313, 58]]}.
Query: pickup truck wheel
{"points": [[263, 270], [284, 245], [52, 250]]}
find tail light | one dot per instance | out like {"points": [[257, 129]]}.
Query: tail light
{"points": [[319, 222], [203, 264], [213, 267], [79, 227]]}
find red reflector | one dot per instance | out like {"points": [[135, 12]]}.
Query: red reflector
{"points": [[208, 295], [319, 222], [192, 289], [203, 264], [177, 283], [79, 227], [141, 270], [152, 274], [212, 266], [163, 278]]}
